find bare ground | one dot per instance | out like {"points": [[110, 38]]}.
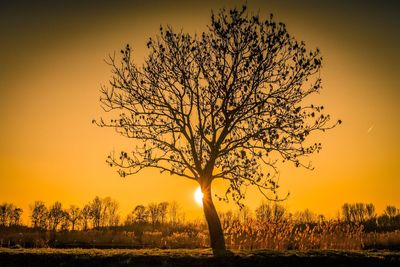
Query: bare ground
{"points": [[192, 258]]}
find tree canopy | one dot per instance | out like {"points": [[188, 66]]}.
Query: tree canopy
{"points": [[223, 104]]}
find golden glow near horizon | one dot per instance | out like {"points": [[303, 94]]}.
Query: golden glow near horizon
{"points": [[52, 69]]}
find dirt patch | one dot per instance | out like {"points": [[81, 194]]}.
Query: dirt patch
{"points": [[192, 258]]}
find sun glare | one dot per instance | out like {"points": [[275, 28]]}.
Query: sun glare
{"points": [[198, 196]]}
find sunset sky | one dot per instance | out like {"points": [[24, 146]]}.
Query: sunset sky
{"points": [[52, 66]]}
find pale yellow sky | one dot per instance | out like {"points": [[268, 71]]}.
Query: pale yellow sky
{"points": [[52, 69]]}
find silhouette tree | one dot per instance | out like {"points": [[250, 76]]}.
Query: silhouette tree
{"points": [[225, 104], [370, 211], [65, 223], [75, 215], [3, 214], [154, 213], [306, 217], [391, 211], [270, 212], [278, 212], [55, 215], [109, 214], [86, 215], [264, 212], [173, 212], [141, 215], [96, 207], [6, 214], [390, 217], [162, 210], [358, 212], [39, 214], [16, 216]]}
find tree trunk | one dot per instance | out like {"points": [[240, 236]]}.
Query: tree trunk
{"points": [[214, 225]]}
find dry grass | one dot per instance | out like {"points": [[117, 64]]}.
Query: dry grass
{"points": [[284, 235], [390, 240], [276, 235], [193, 258]]}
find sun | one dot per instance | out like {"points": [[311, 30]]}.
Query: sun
{"points": [[198, 196]]}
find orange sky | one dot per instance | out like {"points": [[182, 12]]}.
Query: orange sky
{"points": [[52, 68]]}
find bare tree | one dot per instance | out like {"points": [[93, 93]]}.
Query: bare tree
{"points": [[154, 213], [16, 216], [391, 211], [74, 216], [173, 212], [370, 211], [358, 212], [278, 212], [6, 214], [307, 216], [65, 222], [264, 212], [55, 215], [109, 214], [86, 216], [96, 208], [39, 215], [141, 215], [163, 209], [138, 215], [225, 104]]}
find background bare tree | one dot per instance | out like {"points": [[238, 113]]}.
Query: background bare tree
{"points": [[163, 210], [4, 213], [55, 215], [370, 211], [39, 215], [141, 215], [154, 213], [16, 216], [173, 212], [74, 216], [306, 217], [225, 104], [264, 212], [109, 214], [10, 215], [391, 211], [358, 212], [86, 216], [96, 207]]}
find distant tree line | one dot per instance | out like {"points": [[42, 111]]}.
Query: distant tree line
{"points": [[104, 213], [365, 214], [10, 215], [156, 213], [351, 213], [98, 213]]}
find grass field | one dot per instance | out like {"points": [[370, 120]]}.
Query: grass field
{"points": [[193, 257]]}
